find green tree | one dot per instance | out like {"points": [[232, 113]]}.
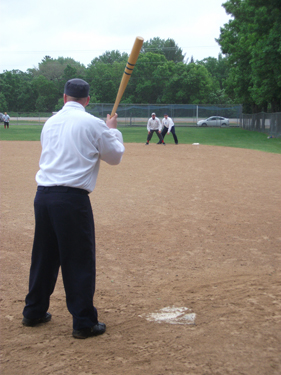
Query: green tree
{"points": [[57, 72], [104, 80], [146, 83], [189, 83], [15, 86], [9, 83], [69, 72], [47, 94], [219, 71], [252, 42], [3, 103], [168, 48], [54, 69], [172, 52], [266, 54], [104, 75], [59, 105], [218, 68], [26, 97], [109, 57]]}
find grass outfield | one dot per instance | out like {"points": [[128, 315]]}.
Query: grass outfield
{"points": [[228, 137]]}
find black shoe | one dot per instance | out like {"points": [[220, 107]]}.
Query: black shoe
{"points": [[33, 322], [164, 143], [159, 143], [147, 143], [84, 333]]}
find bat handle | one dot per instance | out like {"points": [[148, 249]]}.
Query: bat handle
{"points": [[114, 109]]}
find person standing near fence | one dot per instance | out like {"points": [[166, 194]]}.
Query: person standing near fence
{"points": [[6, 119], [73, 144], [169, 127], [154, 125]]}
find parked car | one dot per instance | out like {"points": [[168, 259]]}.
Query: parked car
{"points": [[214, 121], [1, 117]]}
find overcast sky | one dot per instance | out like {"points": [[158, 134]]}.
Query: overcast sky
{"points": [[83, 30]]}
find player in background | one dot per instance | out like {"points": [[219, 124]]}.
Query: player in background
{"points": [[6, 119], [154, 125], [168, 127]]}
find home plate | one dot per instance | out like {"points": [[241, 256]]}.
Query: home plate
{"points": [[172, 315]]}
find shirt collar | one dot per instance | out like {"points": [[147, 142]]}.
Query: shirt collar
{"points": [[74, 105]]}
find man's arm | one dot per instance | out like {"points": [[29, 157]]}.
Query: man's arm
{"points": [[171, 124], [111, 143], [148, 126]]}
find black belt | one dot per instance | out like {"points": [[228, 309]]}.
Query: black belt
{"points": [[62, 189]]}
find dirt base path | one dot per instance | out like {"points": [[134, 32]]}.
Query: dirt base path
{"points": [[193, 228]]}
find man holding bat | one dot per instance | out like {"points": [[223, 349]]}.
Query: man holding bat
{"points": [[154, 125], [73, 144]]}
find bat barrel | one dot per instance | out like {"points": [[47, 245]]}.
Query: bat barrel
{"points": [[128, 71]]}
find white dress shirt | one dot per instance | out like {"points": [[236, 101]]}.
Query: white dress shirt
{"points": [[154, 124], [168, 123], [73, 143]]}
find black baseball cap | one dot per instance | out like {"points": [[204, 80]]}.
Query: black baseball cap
{"points": [[76, 87]]}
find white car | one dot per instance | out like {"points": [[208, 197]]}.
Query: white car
{"points": [[214, 121]]}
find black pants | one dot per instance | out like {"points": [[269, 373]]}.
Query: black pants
{"points": [[149, 136], [164, 132], [64, 236]]}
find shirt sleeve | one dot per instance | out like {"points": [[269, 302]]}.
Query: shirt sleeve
{"points": [[148, 125], [159, 125], [171, 124], [111, 148]]}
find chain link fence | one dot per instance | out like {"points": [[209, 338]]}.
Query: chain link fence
{"points": [[182, 114], [138, 114], [269, 123]]}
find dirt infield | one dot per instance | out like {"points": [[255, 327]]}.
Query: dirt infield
{"points": [[194, 227]]}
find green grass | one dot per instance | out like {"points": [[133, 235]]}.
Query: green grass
{"points": [[228, 137], [20, 133]]}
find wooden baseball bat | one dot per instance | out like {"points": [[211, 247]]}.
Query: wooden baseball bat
{"points": [[128, 71]]}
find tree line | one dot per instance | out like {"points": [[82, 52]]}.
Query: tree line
{"points": [[248, 71], [162, 75], [251, 42]]}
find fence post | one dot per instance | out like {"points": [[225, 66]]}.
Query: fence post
{"points": [[263, 122]]}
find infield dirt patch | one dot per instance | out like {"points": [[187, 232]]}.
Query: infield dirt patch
{"points": [[193, 227]]}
